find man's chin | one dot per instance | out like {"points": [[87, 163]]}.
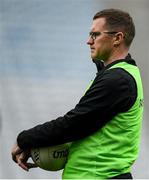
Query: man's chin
{"points": [[93, 56]]}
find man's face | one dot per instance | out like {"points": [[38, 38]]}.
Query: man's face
{"points": [[101, 46]]}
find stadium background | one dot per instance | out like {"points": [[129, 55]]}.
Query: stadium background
{"points": [[45, 67]]}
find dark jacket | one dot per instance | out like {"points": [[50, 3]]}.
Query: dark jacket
{"points": [[112, 91]]}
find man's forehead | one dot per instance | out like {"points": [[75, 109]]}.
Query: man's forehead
{"points": [[98, 23]]}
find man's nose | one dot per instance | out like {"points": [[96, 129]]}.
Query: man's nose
{"points": [[90, 41]]}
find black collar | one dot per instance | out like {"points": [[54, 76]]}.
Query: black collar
{"points": [[100, 65]]}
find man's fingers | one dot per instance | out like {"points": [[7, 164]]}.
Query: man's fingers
{"points": [[26, 166], [15, 151], [31, 165], [21, 157], [15, 157], [21, 162], [23, 166]]}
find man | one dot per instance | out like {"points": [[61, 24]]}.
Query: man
{"points": [[105, 125]]}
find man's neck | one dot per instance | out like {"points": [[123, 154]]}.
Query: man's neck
{"points": [[116, 56]]}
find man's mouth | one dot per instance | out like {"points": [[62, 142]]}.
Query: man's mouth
{"points": [[92, 49]]}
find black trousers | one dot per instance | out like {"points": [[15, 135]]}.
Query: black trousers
{"points": [[123, 176]]}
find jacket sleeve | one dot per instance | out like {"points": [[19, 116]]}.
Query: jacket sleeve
{"points": [[111, 93]]}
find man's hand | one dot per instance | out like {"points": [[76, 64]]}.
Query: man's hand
{"points": [[23, 161], [21, 157], [15, 152]]}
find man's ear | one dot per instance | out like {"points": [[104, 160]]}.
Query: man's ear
{"points": [[118, 39]]}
